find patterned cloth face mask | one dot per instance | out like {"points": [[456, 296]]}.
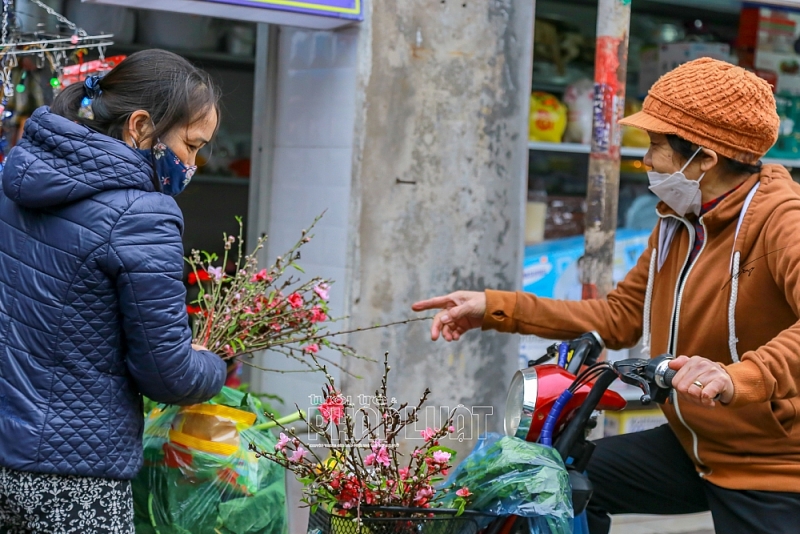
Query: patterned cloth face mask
{"points": [[173, 174]]}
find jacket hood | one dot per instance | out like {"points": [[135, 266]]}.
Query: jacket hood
{"points": [[776, 191], [59, 161]]}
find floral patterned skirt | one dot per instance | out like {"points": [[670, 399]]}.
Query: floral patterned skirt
{"points": [[41, 503]]}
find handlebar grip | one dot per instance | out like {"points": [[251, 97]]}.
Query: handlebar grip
{"points": [[669, 374]]}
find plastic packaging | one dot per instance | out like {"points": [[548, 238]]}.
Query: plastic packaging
{"points": [[536, 214], [579, 99], [548, 118], [199, 476], [510, 476], [634, 137]]}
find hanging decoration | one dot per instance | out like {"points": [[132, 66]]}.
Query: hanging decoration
{"points": [[39, 62]]}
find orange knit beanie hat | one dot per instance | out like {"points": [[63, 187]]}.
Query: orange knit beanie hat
{"points": [[715, 105]]}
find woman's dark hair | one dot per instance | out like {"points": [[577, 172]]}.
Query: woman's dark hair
{"points": [[686, 149], [173, 91]]}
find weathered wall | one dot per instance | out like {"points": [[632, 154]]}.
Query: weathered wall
{"points": [[440, 169]]}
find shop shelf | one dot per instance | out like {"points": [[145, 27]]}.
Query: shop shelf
{"points": [[631, 152], [219, 180], [576, 148]]}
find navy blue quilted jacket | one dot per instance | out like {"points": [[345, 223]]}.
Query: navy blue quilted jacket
{"points": [[92, 308]]}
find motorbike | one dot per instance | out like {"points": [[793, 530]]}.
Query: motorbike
{"points": [[554, 404]]}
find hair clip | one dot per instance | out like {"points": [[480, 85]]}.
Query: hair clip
{"points": [[91, 88]]}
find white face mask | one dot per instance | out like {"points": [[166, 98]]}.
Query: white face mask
{"points": [[677, 191]]}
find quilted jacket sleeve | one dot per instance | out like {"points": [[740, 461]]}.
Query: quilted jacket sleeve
{"points": [[145, 257]]}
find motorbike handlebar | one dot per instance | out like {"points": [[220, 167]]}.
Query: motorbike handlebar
{"points": [[669, 374]]}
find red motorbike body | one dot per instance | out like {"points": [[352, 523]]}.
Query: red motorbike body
{"points": [[552, 381]]}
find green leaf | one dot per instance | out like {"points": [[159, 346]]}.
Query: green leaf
{"points": [[293, 264], [462, 504]]}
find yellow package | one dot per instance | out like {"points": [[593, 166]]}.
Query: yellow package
{"points": [[547, 119], [634, 137], [210, 427]]}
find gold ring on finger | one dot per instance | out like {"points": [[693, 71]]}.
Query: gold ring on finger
{"points": [[698, 384]]}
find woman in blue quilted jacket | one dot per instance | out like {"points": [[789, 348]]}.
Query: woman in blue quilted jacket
{"points": [[92, 306]]}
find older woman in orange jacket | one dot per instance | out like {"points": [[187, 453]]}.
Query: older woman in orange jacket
{"points": [[719, 287]]}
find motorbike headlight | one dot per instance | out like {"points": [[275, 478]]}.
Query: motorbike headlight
{"points": [[520, 403]]}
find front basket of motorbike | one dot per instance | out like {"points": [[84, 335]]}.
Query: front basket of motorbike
{"points": [[391, 520]]}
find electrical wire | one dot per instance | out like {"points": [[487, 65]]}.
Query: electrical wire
{"points": [[591, 373], [587, 374]]}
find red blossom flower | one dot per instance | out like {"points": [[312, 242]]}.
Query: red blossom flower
{"points": [[332, 409], [201, 275], [260, 276], [317, 315], [295, 300], [350, 492], [311, 349]]}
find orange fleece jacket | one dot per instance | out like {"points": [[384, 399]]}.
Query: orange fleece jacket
{"points": [[754, 442]]}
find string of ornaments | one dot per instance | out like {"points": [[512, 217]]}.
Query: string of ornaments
{"points": [[25, 55]]}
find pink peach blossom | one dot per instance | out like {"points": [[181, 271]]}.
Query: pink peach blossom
{"points": [[298, 455], [322, 291], [282, 442], [441, 457], [216, 273], [463, 492]]}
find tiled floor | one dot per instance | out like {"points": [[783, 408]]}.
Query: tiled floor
{"points": [[644, 524]]}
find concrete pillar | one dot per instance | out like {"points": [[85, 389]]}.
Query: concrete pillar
{"points": [[438, 192]]}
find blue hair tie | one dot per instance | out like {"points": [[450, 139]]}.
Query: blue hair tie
{"points": [[91, 88]]}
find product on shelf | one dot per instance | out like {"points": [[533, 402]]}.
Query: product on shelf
{"points": [[564, 216], [770, 39], [788, 144], [634, 137], [78, 73], [657, 61], [536, 214], [560, 44], [579, 99], [548, 118]]}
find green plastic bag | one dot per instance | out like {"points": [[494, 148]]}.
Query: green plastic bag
{"points": [[509, 476], [199, 476]]}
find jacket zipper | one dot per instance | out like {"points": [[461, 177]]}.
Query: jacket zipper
{"points": [[676, 308]]}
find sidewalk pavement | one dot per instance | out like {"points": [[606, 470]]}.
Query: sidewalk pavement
{"points": [[647, 524]]}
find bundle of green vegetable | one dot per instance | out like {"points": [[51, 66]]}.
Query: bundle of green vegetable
{"points": [[509, 476]]}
